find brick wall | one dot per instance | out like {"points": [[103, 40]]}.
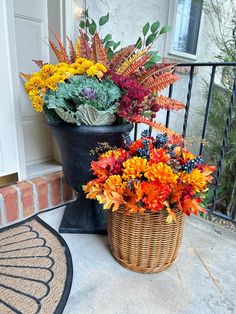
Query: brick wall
{"points": [[26, 198]]}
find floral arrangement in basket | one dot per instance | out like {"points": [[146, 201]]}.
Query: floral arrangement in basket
{"points": [[150, 174], [94, 83]]}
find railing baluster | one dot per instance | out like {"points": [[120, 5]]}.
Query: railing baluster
{"points": [[209, 99], [135, 131], [188, 101], [168, 111], [224, 145]]}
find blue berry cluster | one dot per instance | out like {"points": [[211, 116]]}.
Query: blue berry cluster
{"points": [[161, 140], [145, 133], [144, 152], [171, 150], [191, 164], [127, 140]]}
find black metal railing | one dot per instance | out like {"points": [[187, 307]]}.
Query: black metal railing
{"points": [[228, 125]]}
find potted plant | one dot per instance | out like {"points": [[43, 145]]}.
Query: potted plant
{"points": [[94, 94], [147, 187]]}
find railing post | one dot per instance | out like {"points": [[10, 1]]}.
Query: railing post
{"points": [[224, 145], [168, 111], [188, 101], [209, 99]]}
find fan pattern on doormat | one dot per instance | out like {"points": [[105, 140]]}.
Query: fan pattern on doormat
{"points": [[35, 269]]}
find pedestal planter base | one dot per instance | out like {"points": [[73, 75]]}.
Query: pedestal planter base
{"points": [[76, 143], [78, 220]]}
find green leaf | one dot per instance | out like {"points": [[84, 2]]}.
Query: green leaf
{"points": [[107, 38], [104, 19], [146, 29], [150, 39], [82, 24], [169, 219], [116, 45], [138, 44], [155, 57], [155, 26], [110, 53], [165, 29], [92, 28], [109, 44], [86, 12]]}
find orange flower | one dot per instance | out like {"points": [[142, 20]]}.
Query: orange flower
{"points": [[158, 155], [161, 172], [187, 155], [196, 179], [134, 168], [155, 194], [192, 205]]}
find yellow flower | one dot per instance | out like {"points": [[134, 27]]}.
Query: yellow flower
{"points": [[134, 168], [80, 60], [101, 67], [34, 83], [161, 172], [92, 71], [196, 179], [114, 183], [37, 103], [48, 69], [52, 81]]}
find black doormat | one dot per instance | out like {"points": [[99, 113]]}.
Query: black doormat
{"points": [[35, 269]]}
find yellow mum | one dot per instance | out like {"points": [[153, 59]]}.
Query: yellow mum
{"points": [[134, 168], [114, 183], [196, 179], [37, 103], [161, 172]]}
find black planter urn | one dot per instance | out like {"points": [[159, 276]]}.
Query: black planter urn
{"points": [[75, 143]]}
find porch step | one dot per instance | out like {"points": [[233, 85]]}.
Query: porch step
{"points": [[26, 198]]}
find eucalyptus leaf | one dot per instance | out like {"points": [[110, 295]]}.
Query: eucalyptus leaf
{"points": [[139, 42], [155, 26], [92, 28], [165, 29], [150, 39], [82, 24], [116, 45], [109, 44], [104, 19], [107, 38], [146, 28]]}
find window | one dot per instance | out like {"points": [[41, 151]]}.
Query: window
{"points": [[187, 22]]}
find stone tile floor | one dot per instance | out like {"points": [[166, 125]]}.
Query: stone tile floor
{"points": [[202, 280]]}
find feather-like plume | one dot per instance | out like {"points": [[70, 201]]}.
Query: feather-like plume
{"points": [[62, 48], [25, 76], [160, 82], [157, 69], [56, 51], [120, 56], [98, 53], [77, 48], [169, 103], [131, 60], [135, 65], [85, 51], [160, 128], [71, 49], [39, 63]]}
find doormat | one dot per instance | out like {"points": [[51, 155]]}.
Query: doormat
{"points": [[35, 269]]}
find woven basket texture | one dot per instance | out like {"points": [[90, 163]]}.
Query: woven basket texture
{"points": [[144, 243]]}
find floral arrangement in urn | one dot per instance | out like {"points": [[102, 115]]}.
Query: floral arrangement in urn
{"points": [[97, 84], [150, 174]]}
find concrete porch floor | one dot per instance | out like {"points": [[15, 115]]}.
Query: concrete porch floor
{"points": [[202, 280]]}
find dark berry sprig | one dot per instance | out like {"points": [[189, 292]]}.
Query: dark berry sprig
{"points": [[192, 164]]}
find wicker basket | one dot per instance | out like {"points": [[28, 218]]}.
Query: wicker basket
{"points": [[144, 243]]}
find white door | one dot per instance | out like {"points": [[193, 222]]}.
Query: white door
{"points": [[8, 151], [31, 35]]}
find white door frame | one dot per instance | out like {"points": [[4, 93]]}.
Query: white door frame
{"points": [[66, 27]]}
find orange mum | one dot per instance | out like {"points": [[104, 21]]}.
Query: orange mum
{"points": [[196, 179], [161, 172]]}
